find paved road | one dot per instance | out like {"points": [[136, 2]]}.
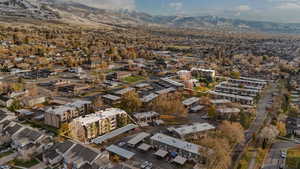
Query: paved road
{"points": [[273, 161], [261, 115], [253, 161]]}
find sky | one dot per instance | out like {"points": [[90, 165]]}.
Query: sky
{"points": [[261, 10]]}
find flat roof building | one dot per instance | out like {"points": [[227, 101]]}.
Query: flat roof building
{"points": [[185, 149], [120, 152]]}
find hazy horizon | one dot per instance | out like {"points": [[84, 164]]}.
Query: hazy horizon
{"points": [[286, 11]]}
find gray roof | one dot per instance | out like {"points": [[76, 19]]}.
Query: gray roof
{"points": [[231, 95], [176, 143], [180, 160], [63, 147], [120, 151], [228, 110], [124, 91], [238, 89], [84, 153], [144, 147], [114, 133], [172, 82], [247, 81], [165, 91], [149, 97], [161, 153], [197, 108], [13, 129], [51, 154], [29, 134], [190, 101], [138, 138], [111, 97], [194, 128], [145, 114]]}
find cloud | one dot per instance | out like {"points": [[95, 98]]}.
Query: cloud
{"points": [[289, 5], [176, 5], [243, 8], [109, 4]]}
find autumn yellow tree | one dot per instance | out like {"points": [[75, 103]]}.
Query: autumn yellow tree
{"points": [[234, 132], [281, 128], [169, 104], [217, 152], [130, 102]]}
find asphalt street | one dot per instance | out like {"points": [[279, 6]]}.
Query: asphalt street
{"points": [[274, 159]]}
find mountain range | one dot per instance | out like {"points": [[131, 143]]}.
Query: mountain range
{"points": [[68, 11]]}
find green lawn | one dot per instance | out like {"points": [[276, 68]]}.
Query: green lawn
{"points": [[6, 153], [133, 79], [26, 164], [293, 158]]}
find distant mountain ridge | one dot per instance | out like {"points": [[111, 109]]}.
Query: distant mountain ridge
{"points": [[76, 12]]}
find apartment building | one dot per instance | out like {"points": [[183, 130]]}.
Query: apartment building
{"points": [[170, 144], [233, 97], [237, 90], [54, 116], [204, 73], [248, 82], [85, 128]]}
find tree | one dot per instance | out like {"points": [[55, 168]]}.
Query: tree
{"points": [[268, 135], [235, 74], [64, 129], [217, 153], [281, 128], [212, 112], [245, 119], [169, 104], [234, 132], [130, 102]]}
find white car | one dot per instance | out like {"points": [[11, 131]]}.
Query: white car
{"points": [[146, 165]]}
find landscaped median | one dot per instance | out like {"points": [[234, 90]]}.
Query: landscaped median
{"points": [[293, 158]]}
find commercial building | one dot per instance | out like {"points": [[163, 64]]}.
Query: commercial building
{"points": [[54, 116]]}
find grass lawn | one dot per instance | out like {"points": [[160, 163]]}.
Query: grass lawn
{"points": [[293, 158], [133, 79], [6, 153], [26, 164]]}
